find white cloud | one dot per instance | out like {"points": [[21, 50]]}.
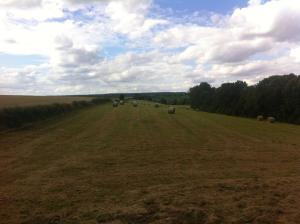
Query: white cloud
{"points": [[278, 19], [33, 10], [66, 55], [129, 17], [295, 54], [20, 3], [154, 52], [254, 2]]}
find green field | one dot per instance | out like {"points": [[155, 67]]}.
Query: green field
{"points": [[141, 165], [13, 101]]}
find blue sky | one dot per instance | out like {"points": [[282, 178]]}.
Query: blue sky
{"points": [[63, 47], [19, 61], [218, 6]]}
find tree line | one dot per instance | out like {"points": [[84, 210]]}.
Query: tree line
{"points": [[277, 96], [168, 98]]}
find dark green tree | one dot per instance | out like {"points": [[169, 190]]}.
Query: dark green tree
{"points": [[277, 96], [121, 97]]}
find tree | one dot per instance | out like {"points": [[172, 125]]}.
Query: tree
{"points": [[201, 96], [277, 96], [121, 97], [163, 101]]}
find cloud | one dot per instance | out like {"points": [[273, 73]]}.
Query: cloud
{"points": [[254, 2], [66, 55], [24, 11], [295, 54], [20, 3], [237, 51], [129, 18], [242, 35], [277, 19], [99, 46]]}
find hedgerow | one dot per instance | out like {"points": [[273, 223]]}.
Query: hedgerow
{"points": [[16, 117]]}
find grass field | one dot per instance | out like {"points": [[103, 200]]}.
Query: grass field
{"points": [[12, 101], [141, 165]]}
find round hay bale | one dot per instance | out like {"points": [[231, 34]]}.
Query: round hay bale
{"points": [[260, 118], [271, 119], [115, 104], [171, 110], [134, 103]]}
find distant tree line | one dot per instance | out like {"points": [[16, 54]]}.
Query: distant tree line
{"points": [[277, 96], [169, 98], [15, 117]]}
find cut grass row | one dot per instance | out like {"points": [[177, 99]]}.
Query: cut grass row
{"points": [[141, 165]]}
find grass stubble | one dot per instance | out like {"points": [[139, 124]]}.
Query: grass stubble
{"points": [[141, 165]]}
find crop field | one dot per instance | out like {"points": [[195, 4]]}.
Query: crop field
{"points": [[12, 101], [140, 165]]}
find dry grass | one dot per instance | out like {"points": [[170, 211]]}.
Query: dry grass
{"points": [[140, 165], [12, 101]]}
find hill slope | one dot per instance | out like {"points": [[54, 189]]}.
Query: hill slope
{"points": [[13, 101], [141, 165]]}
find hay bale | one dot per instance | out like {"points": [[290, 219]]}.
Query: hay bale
{"points": [[171, 110], [271, 119], [115, 104], [260, 118], [134, 103]]}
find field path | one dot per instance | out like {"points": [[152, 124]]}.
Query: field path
{"points": [[142, 165]]}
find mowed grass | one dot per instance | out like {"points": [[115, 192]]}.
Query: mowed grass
{"points": [[13, 101], [141, 165]]}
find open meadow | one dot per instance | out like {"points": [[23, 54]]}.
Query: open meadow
{"points": [[23, 101], [140, 165]]}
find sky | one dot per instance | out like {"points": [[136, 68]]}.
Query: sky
{"points": [[67, 47]]}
